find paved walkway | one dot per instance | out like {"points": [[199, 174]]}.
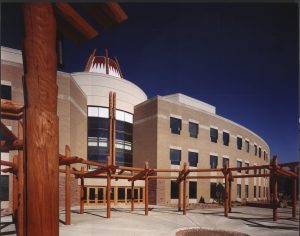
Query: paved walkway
{"points": [[165, 221]]}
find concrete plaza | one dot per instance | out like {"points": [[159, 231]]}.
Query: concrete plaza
{"points": [[166, 221]]}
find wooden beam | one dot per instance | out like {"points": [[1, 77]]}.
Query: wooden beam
{"points": [[8, 163], [250, 167], [42, 176], [206, 177], [289, 164], [114, 129], [99, 171], [7, 134], [110, 136], [68, 188], [6, 146], [89, 63], [229, 195], [11, 106], [179, 194], [10, 116], [226, 175], [184, 196], [132, 195], [162, 177], [250, 176], [206, 170], [82, 191], [73, 24]]}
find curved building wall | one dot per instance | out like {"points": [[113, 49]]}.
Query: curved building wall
{"points": [[162, 147]]}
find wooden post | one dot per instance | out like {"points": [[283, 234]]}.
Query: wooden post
{"points": [[146, 187], [179, 195], [15, 191], [21, 184], [82, 192], [110, 150], [132, 195], [42, 163], [108, 189], [275, 189], [114, 130], [226, 189], [68, 188], [229, 197], [184, 189], [294, 194]]}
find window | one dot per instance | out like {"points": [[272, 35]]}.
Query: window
{"points": [[255, 149], [246, 165], [259, 151], [239, 164], [193, 159], [264, 191], [239, 142], [254, 192], [225, 159], [213, 135], [174, 189], [5, 92], [264, 155], [175, 125], [226, 138], [239, 190], [213, 162], [255, 170], [246, 191], [213, 190], [4, 188], [259, 190], [193, 129], [193, 189], [175, 156], [247, 146]]}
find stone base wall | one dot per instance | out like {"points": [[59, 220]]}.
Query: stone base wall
{"points": [[75, 192]]}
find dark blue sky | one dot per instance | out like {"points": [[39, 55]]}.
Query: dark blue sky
{"points": [[241, 58]]}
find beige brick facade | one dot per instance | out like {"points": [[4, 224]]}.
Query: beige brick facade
{"points": [[153, 140]]}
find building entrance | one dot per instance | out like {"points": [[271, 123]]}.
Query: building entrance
{"points": [[96, 195]]}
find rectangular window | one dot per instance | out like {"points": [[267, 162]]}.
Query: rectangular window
{"points": [[174, 189], [213, 135], [247, 146], [175, 156], [246, 191], [213, 190], [259, 152], [239, 190], [255, 170], [264, 155], [254, 192], [226, 138], [175, 125], [255, 149], [246, 165], [193, 159], [225, 159], [193, 189], [193, 129], [5, 92], [213, 162], [239, 164], [4, 188], [259, 191], [239, 142]]}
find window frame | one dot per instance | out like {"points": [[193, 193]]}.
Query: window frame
{"points": [[190, 128], [173, 129], [214, 133]]}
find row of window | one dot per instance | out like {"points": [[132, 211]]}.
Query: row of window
{"points": [[176, 126], [216, 188], [103, 112], [175, 158]]}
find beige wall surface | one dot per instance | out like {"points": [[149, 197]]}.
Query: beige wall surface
{"points": [[158, 111]]}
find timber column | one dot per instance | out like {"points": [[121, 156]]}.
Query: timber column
{"points": [[41, 120]]}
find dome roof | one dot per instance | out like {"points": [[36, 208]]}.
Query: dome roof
{"points": [[103, 65]]}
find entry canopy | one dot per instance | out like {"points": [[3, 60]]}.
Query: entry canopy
{"points": [[71, 23]]}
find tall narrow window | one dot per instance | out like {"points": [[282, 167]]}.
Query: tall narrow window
{"points": [[175, 125], [213, 162], [193, 189], [255, 149], [254, 192], [174, 189], [193, 159], [213, 135], [213, 190], [255, 170], [239, 190], [193, 129], [259, 151], [226, 138], [225, 159], [247, 146], [246, 191], [259, 191], [239, 164], [239, 142], [246, 165], [175, 156], [5, 92], [264, 155]]}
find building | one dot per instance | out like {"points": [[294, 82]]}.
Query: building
{"points": [[182, 129], [166, 131]]}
